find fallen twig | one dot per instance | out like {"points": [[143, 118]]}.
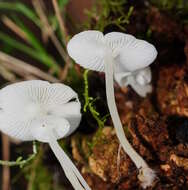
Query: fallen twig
{"points": [[44, 20], [6, 74], [6, 156], [22, 68], [16, 29], [61, 22], [68, 61]]}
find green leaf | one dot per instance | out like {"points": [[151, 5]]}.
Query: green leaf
{"points": [[62, 3], [30, 36], [23, 9], [46, 60], [19, 159]]}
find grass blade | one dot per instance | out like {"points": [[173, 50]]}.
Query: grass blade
{"points": [[29, 51], [23, 9]]}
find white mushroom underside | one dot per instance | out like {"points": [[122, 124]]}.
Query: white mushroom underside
{"points": [[38, 110], [25, 103]]}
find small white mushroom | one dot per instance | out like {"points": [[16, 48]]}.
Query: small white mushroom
{"points": [[139, 80], [38, 110], [112, 53]]}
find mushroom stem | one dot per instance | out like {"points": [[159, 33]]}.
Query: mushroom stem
{"points": [[146, 175], [69, 168]]}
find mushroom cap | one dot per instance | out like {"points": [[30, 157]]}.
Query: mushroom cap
{"points": [[143, 76], [28, 109], [89, 49], [139, 80]]}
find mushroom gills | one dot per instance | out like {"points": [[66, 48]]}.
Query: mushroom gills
{"points": [[70, 169]]}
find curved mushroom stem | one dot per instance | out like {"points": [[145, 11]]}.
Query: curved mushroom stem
{"points": [[69, 168], [146, 174]]}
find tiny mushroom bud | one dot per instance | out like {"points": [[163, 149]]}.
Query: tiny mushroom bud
{"points": [[116, 53], [38, 110], [139, 80]]}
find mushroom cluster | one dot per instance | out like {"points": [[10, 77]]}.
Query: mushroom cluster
{"points": [[127, 59], [38, 110]]}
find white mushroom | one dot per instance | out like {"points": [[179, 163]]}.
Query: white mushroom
{"points": [[139, 80], [38, 110], [113, 53]]}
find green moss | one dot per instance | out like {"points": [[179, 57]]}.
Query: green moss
{"points": [[171, 4], [109, 12], [20, 161], [177, 8], [90, 106]]}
